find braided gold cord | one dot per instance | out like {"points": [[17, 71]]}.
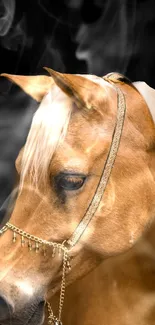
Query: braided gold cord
{"points": [[121, 109]]}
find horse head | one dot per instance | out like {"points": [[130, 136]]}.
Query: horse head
{"points": [[60, 169]]}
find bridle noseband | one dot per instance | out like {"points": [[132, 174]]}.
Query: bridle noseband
{"points": [[64, 248]]}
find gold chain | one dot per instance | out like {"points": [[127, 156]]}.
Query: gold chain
{"points": [[63, 282], [31, 237], [51, 318]]}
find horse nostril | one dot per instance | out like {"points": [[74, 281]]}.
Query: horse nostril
{"points": [[6, 309], [41, 303]]}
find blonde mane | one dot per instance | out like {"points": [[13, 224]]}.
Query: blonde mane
{"points": [[47, 131]]}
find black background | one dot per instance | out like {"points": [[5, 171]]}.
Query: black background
{"points": [[72, 36]]}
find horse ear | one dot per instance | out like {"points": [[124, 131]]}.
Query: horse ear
{"points": [[148, 94], [34, 86], [76, 86]]}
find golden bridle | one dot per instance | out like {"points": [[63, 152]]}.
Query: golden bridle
{"points": [[64, 247]]}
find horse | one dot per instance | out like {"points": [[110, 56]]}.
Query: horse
{"points": [[78, 247]]}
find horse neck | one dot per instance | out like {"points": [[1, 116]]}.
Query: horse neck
{"points": [[119, 291]]}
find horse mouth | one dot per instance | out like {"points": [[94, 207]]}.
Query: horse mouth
{"points": [[37, 317], [34, 318]]}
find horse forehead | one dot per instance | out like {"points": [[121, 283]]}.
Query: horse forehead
{"points": [[85, 141], [85, 134], [79, 152]]}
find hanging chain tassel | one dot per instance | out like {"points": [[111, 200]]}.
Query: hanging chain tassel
{"points": [[37, 247], [14, 237], [22, 241], [29, 245]]}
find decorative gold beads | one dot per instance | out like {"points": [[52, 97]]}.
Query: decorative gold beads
{"points": [[14, 237], [22, 241]]}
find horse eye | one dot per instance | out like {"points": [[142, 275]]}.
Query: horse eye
{"points": [[70, 182]]}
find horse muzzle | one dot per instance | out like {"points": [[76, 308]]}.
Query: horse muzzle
{"points": [[32, 314]]}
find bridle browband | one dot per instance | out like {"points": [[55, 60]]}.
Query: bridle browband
{"points": [[64, 248]]}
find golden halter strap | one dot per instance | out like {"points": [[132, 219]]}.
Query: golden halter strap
{"points": [[64, 248]]}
